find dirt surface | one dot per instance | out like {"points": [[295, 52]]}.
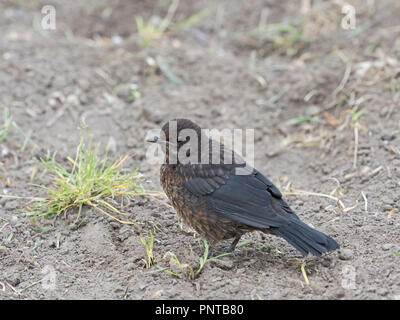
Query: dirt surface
{"points": [[301, 98]]}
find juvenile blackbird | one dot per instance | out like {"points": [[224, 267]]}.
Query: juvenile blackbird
{"points": [[221, 202]]}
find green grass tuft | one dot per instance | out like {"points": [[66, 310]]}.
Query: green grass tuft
{"points": [[286, 39], [148, 244], [88, 181]]}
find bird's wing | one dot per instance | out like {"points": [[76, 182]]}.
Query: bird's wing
{"points": [[250, 199], [247, 197], [202, 180], [277, 201], [270, 186]]}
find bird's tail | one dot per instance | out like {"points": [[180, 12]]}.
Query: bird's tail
{"points": [[306, 239]]}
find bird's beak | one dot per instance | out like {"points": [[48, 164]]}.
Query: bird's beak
{"points": [[153, 139]]}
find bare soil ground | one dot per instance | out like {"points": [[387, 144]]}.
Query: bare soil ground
{"points": [[303, 95]]}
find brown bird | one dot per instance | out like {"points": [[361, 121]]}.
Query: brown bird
{"points": [[221, 202]]}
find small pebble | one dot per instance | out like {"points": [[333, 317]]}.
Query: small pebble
{"points": [[383, 112], [223, 264], [14, 280], [73, 100], [10, 205], [365, 170], [51, 243], [396, 163], [388, 136], [386, 200], [382, 291], [52, 103], [126, 92], [117, 40], [346, 254], [312, 110], [83, 99], [84, 84], [142, 286], [340, 293], [4, 151], [119, 290], [115, 225]]}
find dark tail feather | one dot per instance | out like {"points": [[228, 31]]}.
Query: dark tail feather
{"points": [[306, 239]]}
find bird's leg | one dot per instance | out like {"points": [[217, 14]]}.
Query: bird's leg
{"points": [[214, 252], [232, 247]]}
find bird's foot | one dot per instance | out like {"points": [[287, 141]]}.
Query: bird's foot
{"points": [[215, 252], [225, 250]]}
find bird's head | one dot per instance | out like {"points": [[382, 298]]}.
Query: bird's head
{"points": [[182, 138]]}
